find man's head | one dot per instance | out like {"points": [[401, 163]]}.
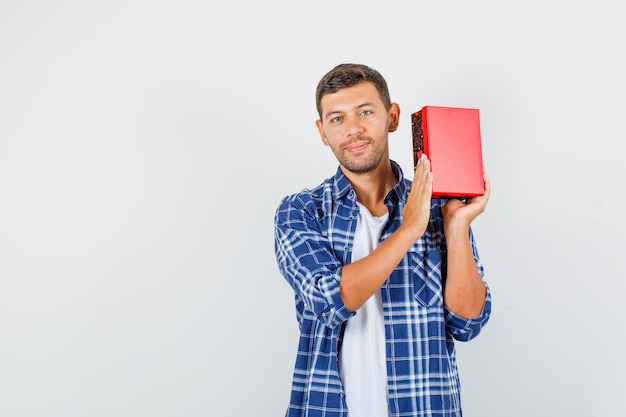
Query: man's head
{"points": [[348, 75], [356, 116]]}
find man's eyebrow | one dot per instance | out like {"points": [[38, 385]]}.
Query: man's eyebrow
{"points": [[332, 112], [360, 106]]}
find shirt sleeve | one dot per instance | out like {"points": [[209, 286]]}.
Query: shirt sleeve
{"points": [[306, 260], [464, 329]]}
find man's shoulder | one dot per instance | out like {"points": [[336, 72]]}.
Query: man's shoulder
{"points": [[308, 199], [315, 193], [329, 189]]}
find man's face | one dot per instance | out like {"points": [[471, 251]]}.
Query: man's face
{"points": [[355, 125]]}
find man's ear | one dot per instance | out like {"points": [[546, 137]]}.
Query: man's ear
{"points": [[394, 116], [320, 128]]}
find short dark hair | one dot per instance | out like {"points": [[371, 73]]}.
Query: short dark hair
{"points": [[348, 75]]}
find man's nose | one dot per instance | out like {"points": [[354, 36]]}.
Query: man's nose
{"points": [[354, 126]]}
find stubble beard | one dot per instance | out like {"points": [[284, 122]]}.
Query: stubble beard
{"points": [[361, 164]]}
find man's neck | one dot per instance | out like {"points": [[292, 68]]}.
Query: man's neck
{"points": [[372, 187]]}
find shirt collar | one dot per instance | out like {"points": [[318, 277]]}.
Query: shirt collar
{"points": [[341, 185]]}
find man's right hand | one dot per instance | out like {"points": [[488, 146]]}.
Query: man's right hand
{"points": [[416, 213]]}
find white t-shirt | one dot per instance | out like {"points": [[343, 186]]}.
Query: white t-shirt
{"points": [[362, 358]]}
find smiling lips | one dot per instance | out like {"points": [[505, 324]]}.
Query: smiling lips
{"points": [[357, 146]]}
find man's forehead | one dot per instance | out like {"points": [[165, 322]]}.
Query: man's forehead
{"points": [[352, 97]]}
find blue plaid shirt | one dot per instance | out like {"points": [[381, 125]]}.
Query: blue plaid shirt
{"points": [[314, 233]]}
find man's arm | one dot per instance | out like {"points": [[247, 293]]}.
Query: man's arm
{"points": [[361, 279], [465, 291]]}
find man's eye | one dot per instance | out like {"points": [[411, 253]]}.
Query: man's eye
{"points": [[366, 112], [335, 119]]}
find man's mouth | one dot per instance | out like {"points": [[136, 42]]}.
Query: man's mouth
{"points": [[357, 146]]}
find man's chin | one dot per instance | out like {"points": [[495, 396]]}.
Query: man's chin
{"points": [[360, 164], [360, 168]]}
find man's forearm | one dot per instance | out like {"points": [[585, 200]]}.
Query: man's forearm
{"points": [[465, 291], [361, 279]]}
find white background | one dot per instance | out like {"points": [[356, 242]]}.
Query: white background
{"points": [[144, 146]]}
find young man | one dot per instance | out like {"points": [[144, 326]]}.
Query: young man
{"points": [[384, 275]]}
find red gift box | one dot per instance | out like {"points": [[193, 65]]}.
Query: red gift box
{"points": [[450, 137]]}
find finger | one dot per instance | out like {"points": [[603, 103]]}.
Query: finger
{"points": [[487, 185], [423, 165]]}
